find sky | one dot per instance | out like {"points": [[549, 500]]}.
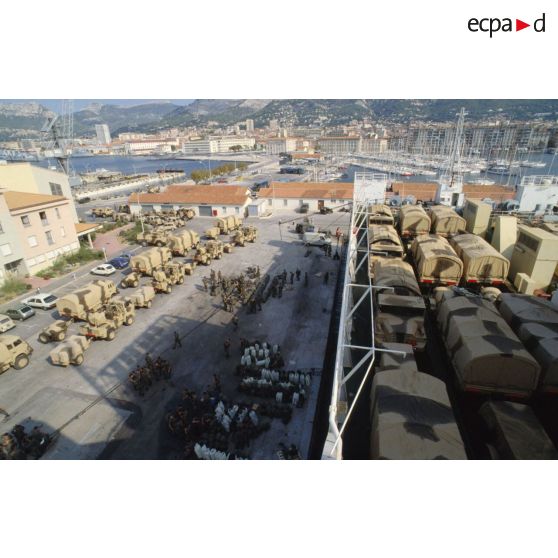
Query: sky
{"points": [[56, 104]]}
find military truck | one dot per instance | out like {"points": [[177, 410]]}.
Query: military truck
{"points": [[103, 324], [214, 249], [71, 351], [189, 267], [202, 256], [56, 331], [213, 233], [174, 272], [228, 247], [161, 282], [186, 213], [180, 243], [88, 299], [14, 351], [147, 262], [143, 297], [102, 212], [228, 224], [130, 280], [245, 234], [121, 307], [156, 237]]}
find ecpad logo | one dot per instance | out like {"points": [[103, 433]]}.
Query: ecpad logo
{"points": [[493, 25]]}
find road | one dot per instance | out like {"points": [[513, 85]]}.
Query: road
{"points": [[92, 408]]}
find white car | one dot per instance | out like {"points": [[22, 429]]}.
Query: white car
{"points": [[103, 269], [45, 301], [6, 323]]}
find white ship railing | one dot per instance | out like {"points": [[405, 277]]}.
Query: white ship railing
{"points": [[366, 184]]}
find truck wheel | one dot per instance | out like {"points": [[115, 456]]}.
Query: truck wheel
{"points": [[144, 243], [129, 320], [135, 283], [148, 304], [181, 281], [111, 334], [43, 338], [21, 362], [61, 336], [78, 360]]}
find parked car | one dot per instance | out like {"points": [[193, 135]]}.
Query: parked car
{"points": [[6, 323], [120, 262], [45, 301], [316, 239], [103, 269], [304, 207], [20, 312]]}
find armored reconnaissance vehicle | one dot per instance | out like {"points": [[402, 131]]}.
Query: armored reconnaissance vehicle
{"points": [[214, 249], [103, 324], [14, 351], [156, 237], [143, 297], [174, 272], [56, 331], [161, 283], [245, 234], [71, 351], [131, 280], [89, 299], [213, 233]]}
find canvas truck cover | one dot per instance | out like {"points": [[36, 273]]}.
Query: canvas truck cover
{"points": [[394, 273], [412, 418], [516, 432], [384, 238], [379, 214], [401, 319], [413, 220], [481, 262], [518, 309], [446, 221], [92, 297], [485, 352], [435, 260], [542, 342]]}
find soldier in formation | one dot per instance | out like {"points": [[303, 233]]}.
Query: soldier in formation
{"points": [[142, 377]]}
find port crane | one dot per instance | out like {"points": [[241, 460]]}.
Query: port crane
{"points": [[58, 131]]}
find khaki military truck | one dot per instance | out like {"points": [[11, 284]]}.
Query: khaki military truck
{"points": [[88, 299], [156, 237], [130, 280], [161, 282], [243, 235], [186, 213], [143, 297], [228, 224], [71, 351], [180, 243], [202, 256], [228, 247], [56, 331], [213, 233], [189, 267], [150, 260], [14, 351], [214, 249], [103, 212], [174, 272], [103, 324]]}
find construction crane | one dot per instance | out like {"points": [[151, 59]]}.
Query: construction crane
{"points": [[58, 131]]}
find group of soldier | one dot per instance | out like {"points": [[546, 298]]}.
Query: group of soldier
{"points": [[143, 377], [232, 288], [19, 444]]}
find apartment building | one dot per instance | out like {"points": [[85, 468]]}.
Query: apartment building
{"points": [[34, 230]]}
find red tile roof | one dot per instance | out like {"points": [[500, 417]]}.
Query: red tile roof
{"points": [[427, 191], [308, 190], [180, 194]]}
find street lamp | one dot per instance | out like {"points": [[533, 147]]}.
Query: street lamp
{"points": [[140, 213]]}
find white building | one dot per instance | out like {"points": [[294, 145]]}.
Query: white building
{"points": [[249, 125], [537, 193], [217, 145], [281, 145], [339, 145], [103, 134], [149, 145]]}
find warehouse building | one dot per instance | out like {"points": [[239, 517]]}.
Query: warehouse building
{"points": [[207, 201], [292, 195]]}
